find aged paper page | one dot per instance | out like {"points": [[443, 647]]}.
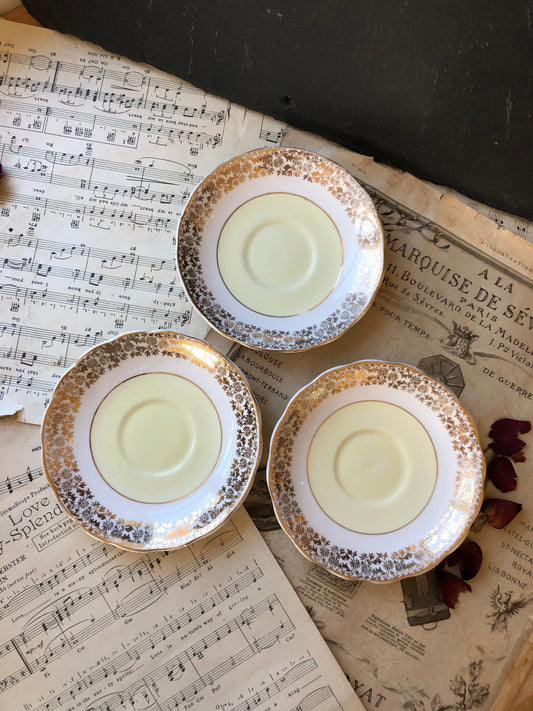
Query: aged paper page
{"points": [[88, 626], [99, 156], [456, 302], [517, 225]]}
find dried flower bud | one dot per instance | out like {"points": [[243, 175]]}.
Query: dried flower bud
{"points": [[468, 557], [450, 587], [500, 512], [507, 447], [502, 474], [507, 428]]}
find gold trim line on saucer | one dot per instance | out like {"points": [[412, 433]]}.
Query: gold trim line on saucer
{"points": [[66, 475], [445, 535]]}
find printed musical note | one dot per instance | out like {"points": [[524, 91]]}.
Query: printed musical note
{"points": [[98, 162], [65, 615], [147, 562], [99, 159], [86, 624]]}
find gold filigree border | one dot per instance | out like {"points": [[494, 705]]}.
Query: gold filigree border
{"points": [[461, 510], [281, 162], [65, 472]]}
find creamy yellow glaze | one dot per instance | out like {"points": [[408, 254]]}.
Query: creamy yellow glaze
{"points": [[279, 254], [372, 467], [155, 437]]}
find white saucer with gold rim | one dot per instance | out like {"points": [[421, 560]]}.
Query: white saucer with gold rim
{"points": [[280, 249], [151, 440], [375, 471]]}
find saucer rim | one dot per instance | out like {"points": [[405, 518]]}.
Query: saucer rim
{"points": [[174, 540], [414, 569], [293, 339]]}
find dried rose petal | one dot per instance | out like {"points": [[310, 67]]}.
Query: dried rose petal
{"points": [[507, 447], [450, 587], [468, 557], [500, 512], [507, 428], [501, 472], [518, 457]]}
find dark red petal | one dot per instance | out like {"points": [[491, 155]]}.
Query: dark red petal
{"points": [[450, 587], [500, 512], [507, 447], [501, 472], [518, 457], [507, 427], [468, 557]]}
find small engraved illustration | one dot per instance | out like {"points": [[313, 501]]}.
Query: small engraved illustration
{"points": [[504, 606], [460, 340]]}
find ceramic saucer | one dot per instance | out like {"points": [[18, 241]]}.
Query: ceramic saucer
{"points": [[280, 249], [375, 471], [151, 440]]}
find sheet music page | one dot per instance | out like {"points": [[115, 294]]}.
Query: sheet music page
{"points": [[518, 225], [456, 302], [87, 626], [99, 157]]}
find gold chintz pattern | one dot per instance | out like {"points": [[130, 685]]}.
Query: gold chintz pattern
{"points": [[421, 555], [66, 473], [282, 162]]}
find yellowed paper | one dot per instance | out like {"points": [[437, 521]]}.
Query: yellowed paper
{"points": [[456, 302], [99, 157], [86, 625]]}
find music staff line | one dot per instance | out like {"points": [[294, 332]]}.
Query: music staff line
{"points": [[30, 358], [186, 662], [96, 213], [112, 262], [24, 382], [108, 258], [117, 700], [101, 552], [49, 337], [216, 117], [130, 79], [197, 649], [26, 356], [145, 165], [147, 594], [209, 678], [145, 282], [315, 699], [41, 164], [299, 671], [270, 136], [103, 129], [122, 309], [53, 620], [11, 484], [109, 191]]}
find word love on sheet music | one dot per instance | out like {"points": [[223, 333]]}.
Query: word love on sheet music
{"points": [[36, 514]]}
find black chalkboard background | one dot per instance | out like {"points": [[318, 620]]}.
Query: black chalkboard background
{"points": [[442, 89]]}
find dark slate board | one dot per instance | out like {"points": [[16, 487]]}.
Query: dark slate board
{"points": [[441, 89]]}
